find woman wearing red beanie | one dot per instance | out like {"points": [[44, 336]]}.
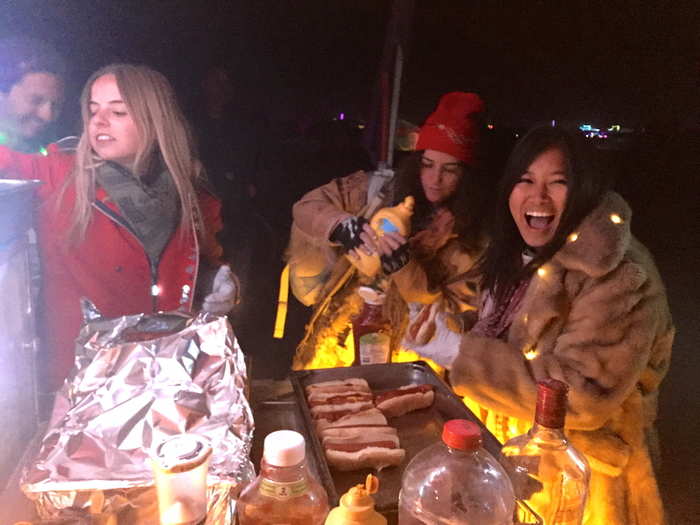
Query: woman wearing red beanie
{"points": [[443, 177]]}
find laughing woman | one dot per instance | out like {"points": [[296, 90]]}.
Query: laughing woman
{"points": [[569, 293], [124, 221]]}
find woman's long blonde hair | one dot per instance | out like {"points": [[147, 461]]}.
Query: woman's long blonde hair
{"points": [[151, 101]]}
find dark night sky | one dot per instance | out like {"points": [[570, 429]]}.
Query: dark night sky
{"points": [[598, 61]]}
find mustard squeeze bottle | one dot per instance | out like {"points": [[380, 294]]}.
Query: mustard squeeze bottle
{"points": [[356, 506], [393, 219]]}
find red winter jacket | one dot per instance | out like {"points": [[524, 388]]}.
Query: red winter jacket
{"points": [[109, 267]]}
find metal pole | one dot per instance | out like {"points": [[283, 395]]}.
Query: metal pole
{"points": [[396, 92]]}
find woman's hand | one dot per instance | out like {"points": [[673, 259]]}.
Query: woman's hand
{"points": [[393, 252], [354, 234], [224, 293]]}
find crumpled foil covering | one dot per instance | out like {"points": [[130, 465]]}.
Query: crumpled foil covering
{"points": [[137, 380]]}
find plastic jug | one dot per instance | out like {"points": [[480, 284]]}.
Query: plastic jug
{"points": [[456, 482]]}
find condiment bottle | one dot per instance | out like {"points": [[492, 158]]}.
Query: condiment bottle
{"points": [[371, 330], [180, 465], [394, 219], [284, 492], [356, 506]]}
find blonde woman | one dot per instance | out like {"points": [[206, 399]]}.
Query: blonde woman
{"points": [[124, 221]]}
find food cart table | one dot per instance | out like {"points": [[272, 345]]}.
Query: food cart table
{"points": [[274, 408]]}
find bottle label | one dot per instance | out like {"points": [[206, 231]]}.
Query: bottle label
{"points": [[374, 348], [387, 226], [281, 490]]}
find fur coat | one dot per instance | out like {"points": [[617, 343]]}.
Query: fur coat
{"points": [[596, 317], [314, 261]]}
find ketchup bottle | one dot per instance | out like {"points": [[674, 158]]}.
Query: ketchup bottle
{"points": [[371, 330]]}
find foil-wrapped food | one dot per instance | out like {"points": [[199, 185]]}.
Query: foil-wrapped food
{"points": [[139, 379]]}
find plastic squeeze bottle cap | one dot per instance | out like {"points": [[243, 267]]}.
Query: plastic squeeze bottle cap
{"points": [[461, 434], [284, 448], [357, 506]]}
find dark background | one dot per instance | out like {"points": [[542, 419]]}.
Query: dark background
{"points": [[629, 62], [626, 62]]}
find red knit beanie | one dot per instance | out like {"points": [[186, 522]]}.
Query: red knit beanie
{"points": [[453, 127]]}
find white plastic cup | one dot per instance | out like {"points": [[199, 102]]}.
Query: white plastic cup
{"points": [[180, 465]]}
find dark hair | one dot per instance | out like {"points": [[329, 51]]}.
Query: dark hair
{"points": [[22, 55], [467, 204], [501, 265]]}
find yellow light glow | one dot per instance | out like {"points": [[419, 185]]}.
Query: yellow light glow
{"points": [[573, 237], [402, 355], [541, 272], [531, 353], [330, 353], [615, 218], [525, 318]]}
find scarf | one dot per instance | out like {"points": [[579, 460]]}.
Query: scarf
{"points": [[149, 204], [495, 319]]}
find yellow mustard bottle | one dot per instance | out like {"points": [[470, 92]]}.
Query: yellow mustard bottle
{"points": [[393, 219], [357, 506]]}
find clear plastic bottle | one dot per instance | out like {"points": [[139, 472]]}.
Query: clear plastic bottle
{"points": [[550, 475], [284, 493], [456, 482]]}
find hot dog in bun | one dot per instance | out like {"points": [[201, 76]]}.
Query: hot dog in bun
{"points": [[406, 399]]}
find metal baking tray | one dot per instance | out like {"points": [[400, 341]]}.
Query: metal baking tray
{"points": [[416, 430]]}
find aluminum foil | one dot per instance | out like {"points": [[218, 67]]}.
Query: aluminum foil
{"points": [[137, 380]]}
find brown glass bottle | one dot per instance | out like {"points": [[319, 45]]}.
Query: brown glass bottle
{"points": [[371, 330]]}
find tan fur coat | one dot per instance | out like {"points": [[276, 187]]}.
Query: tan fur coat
{"points": [[596, 317], [314, 261]]}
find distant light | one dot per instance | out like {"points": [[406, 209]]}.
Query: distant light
{"points": [[541, 272], [360, 126], [531, 354], [490, 126], [341, 116], [585, 127], [615, 218], [155, 290], [43, 151], [554, 123], [517, 135], [573, 237], [615, 127]]}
